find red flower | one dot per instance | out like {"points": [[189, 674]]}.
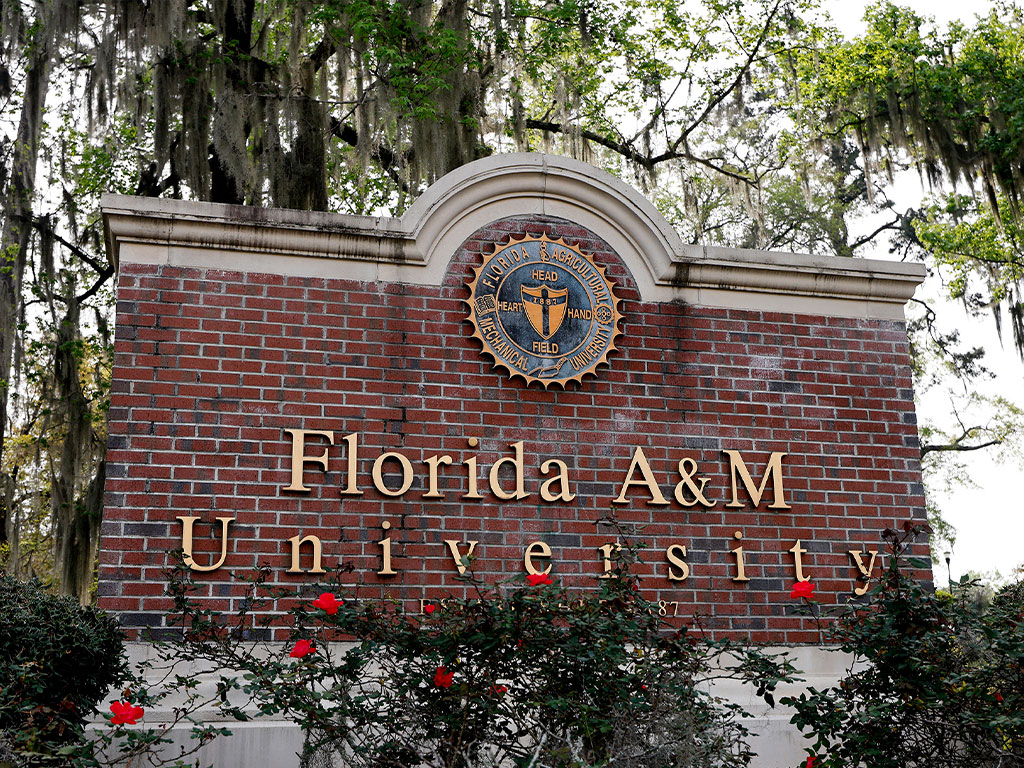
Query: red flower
{"points": [[429, 609], [804, 589], [810, 762], [328, 603], [125, 713], [302, 648], [497, 690], [538, 578], [443, 678], [999, 697]]}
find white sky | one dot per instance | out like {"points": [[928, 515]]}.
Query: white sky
{"points": [[989, 518]]}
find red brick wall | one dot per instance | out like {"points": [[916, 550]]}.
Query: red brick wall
{"points": [[212, 366]]}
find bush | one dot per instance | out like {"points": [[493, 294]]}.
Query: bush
{"points": [[57, 660], [520, 675], [939, 678]]}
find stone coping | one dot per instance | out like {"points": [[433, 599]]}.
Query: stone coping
{"points": [[417, 247]]}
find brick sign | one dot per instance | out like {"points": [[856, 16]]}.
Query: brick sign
{"points": [[321, 393]]}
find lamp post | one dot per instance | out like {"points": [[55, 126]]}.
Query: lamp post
{"points": [[949, 574]]}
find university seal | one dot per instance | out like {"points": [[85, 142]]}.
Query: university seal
{"points": [[543, 310]]}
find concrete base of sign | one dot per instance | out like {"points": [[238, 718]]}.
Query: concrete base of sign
{"points": [[275, 743]]}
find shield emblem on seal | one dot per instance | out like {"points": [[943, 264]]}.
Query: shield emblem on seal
{"points": [[545, 308]]}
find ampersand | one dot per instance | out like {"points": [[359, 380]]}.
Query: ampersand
{"points": [[687, 470]]}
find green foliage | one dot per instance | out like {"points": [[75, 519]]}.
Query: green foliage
{"points": [[947, 101], [148, 686], [944, 100], [947, 96], [516, 675], [57, 660], [936, 677], [982, 250]]}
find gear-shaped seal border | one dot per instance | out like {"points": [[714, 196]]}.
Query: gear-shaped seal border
{"points": [[513, 373]]}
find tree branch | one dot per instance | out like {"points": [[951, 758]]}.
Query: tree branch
{"points": [[616, 146], [954, 446], [894, 224], [43, 227], [383, 155], [631, 154], [104, 276], [722, 95]]}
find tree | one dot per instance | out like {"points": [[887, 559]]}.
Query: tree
{"points": [[945, 102], [948, 103], [37, 288], [351, 104], [358, 105]]}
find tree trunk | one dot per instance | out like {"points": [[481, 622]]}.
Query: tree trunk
{"points": [[227, 184], [17, 227], [76, 489], [307, 160]]}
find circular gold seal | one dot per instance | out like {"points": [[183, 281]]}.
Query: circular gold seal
{"points": [[543, 310]]}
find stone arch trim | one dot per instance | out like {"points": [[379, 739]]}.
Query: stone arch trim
{"points": [[503, 186], [417, 247]]}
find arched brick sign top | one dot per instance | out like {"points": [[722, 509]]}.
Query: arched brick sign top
{"points": [[305, 391]]}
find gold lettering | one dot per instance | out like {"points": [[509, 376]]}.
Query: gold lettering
{"points": [[536, 549], [299, 458], [865, 573], [562, 478], [517, 462], [592, 350], [543, 274], [297, 543], [385, 552], [773, 472], [675, 554], [187, 521], [798, 564], [606, 551], [433, 462], [461, 560], [697, 491], [471, 472], [352, 450], [640, 461], [378, 477], [741, 574]]}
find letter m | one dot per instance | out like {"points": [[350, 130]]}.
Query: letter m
{"points": [[772, 472]]}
